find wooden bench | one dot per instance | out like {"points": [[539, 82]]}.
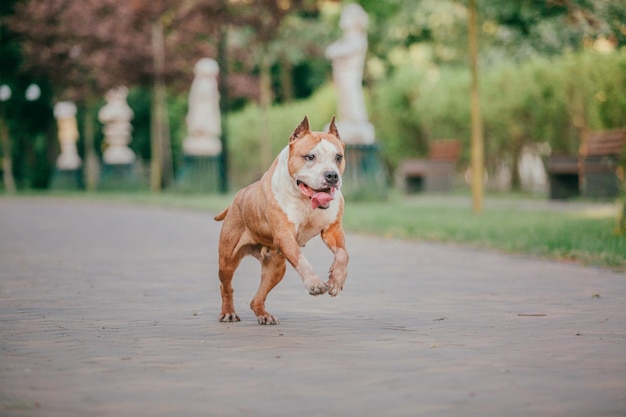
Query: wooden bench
{"points": [[563, 176], [600, 153], [434, 173], [593, 172], [603, 142]]}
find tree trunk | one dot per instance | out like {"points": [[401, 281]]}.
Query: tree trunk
{"points": [[156, 146], [7, 161], [621, 227], [516, 153], [91, 160], [161, 172], [265, 99], [222, 57], [286, 80], [477, 149]]}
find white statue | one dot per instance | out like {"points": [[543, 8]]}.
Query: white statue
{"points": [[65, 113], [348, 58], [203, 118], [116, 116], [532, 172]]}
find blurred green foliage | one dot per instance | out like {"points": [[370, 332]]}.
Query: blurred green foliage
{"points": [[244, 126], [543, 100], [537, 86]]}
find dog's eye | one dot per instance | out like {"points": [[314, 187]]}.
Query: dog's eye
{"points": [[309, 157], [339, 158]]}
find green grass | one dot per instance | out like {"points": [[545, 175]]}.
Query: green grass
{"points": [[584, 235], [581, 232]]}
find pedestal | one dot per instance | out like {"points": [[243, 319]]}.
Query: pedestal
{"points": [[199, 174], [67, 179], [119, 177], [365, 177]]}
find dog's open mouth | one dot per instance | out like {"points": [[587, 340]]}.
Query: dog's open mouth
{"points": [[319, 198]]}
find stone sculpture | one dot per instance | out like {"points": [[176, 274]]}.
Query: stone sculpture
{"points": [[116, 116], [65, 114], [203, 118], [348, 59]]}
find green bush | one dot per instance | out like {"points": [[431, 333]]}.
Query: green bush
{"points": [[542, 100], [554, 100], [244, 127], [538, 101], [393, 115]]}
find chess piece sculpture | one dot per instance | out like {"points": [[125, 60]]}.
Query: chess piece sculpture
{"points": [[65, 114], [203, 118], [116, 116]]}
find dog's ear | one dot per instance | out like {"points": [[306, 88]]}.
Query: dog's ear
{"points": [[332, 129], [301, 130]]}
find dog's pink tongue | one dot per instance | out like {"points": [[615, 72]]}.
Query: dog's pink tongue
{"points": [[322, 199], [318, 198]]}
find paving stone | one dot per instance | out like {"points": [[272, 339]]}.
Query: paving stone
{"points": [[111, 310]]}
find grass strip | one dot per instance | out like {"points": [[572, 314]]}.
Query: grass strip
{"points": [[580, 232]]}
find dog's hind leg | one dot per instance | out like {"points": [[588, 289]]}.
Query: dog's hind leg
{"points": [[226, 271], [272, 272]]}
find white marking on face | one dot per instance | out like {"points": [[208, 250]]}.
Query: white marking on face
{"points": [[325, 160]]}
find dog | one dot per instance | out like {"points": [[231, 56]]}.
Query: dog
{"points": [[298, 198]]}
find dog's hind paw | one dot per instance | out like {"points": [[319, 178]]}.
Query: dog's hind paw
{"points": [[229, 317], [267, 319]]}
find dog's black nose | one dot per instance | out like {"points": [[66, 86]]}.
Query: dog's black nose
{"points": [[331, 177]]}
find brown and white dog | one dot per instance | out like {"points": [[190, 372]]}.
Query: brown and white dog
{"points": [[298, 198]]}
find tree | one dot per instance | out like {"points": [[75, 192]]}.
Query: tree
{"points": [[523, 28], [260, 26], [435, 31], [477, 148], [87, 47]]}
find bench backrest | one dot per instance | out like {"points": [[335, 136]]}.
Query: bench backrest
{"points": [[603, 142], [444, 150]]}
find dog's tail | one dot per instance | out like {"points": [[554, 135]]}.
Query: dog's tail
{"points": [[222, 215]]}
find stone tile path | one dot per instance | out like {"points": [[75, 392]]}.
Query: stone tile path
{"points": [[111, 310]]}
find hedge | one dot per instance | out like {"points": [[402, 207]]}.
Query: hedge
{"points": [[540, 101], [535, 102]]}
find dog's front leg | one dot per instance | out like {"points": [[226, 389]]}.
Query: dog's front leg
{"points": [[335, 240], [290, 249]]}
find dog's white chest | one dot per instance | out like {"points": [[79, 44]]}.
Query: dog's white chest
{"points": [[318, 220], [307, 222]]}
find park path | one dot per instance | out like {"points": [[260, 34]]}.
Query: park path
{"points": [[111, 310]]}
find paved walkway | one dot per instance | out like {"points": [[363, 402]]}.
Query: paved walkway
{"points": [[111, 310]]}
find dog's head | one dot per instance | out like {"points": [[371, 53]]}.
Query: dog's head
{"points": [[316, 162]]}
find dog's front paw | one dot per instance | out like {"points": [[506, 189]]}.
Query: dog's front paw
{"points": [[334, 287], [317, 287], [337, 275], [229, 317], [267, 319]]}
